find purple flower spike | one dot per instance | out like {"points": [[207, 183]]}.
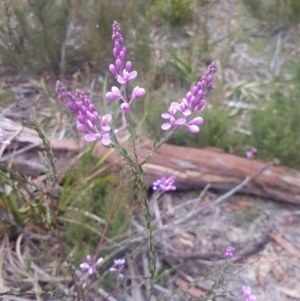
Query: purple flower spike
{"points": [[90, 266], [118, 267], [164, 184], [192, 103], [229, 252], [122, 72], [90, 123], [247, 294]]}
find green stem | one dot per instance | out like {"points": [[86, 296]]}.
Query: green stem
{"points": [[156, 147]]}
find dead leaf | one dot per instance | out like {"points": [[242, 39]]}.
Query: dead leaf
{"points": [[241, 205], [195, 292], [290, 292], [261, 279], [285, 245], [36, 228], [187, 243], [279, 276], [2, 204]]}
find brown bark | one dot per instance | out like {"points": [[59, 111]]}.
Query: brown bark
{"points": [[194, 168]]}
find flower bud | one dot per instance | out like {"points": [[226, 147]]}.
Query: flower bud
{"points": [[113, 69], [82, 128]]}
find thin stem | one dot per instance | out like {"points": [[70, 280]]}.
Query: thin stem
{"points": [[156, 147]]}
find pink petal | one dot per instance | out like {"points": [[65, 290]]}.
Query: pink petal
{"points": [[176, 106], [84, 266], [166, 115], [106, 128], [125, 106], [187, 112], [180, 121], [111, 96], [193, 128], [99, 261], [113, 69], [107, 117], [89, 259], [138, 92], [166, 126], [197, 120], [91, 271], [115, 90], [105, 141], [121, 80], [89, 137], [82, 128], [132, 75]]}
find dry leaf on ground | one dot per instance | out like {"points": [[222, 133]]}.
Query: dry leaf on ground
{"points": [[290, 292], [285, 245]]}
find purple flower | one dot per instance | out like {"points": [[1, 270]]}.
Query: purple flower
{"points": [[173, 123], [193, 125], [251, 152], [114, 94], [90, 266], [122, 72], [192, 103], [247, 294], [3, 142], [164, 184], [125, 106], [90, 123], [138, 92], [182, 107], [118, 267], [171, 113], [126, 77], [229, 252]]}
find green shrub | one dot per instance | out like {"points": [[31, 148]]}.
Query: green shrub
{"points": [[276, 129], [177, 12], [275, 11], [42, 36]]}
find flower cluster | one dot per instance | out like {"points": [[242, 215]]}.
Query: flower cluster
{"points": [[3, 142], [164, 184], [94, 127], [192, 103], [251, 152], [247, 294], [90, 266], [118, 267], [229, 252], [122, 72]]}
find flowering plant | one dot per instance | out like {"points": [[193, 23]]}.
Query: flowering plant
{"points": [[96, 127]]}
